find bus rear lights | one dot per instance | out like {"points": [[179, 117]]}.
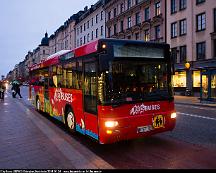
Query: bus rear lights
{"points": [[173, 115], [111, 123]]}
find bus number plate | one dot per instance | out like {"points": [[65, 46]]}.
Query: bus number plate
{"points": [[144, 129]]}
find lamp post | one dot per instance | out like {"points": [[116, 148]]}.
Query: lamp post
{"points": [[188, 88]]}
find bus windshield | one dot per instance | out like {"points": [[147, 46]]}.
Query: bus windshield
{"points": [[133, 81]]}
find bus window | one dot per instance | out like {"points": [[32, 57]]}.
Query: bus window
{"points": [[90, 101]]}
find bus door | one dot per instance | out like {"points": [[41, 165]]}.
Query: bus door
{"points": [[90, 99], [46, 94]]}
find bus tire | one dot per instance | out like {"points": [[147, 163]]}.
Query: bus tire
{"points": [[70, 121]]}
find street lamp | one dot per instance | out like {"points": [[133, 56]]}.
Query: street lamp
{"points": [[187, 65]]}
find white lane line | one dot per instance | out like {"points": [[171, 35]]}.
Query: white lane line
{"points": [[197, 116], [196, 107]]}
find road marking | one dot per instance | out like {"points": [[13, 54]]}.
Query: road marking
{"points": [[197, 116], [196, 107]]}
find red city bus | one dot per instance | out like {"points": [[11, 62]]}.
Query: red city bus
{"points": [[109, 90]]}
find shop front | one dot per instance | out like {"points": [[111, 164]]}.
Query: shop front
{"points": [[199, 78], [208, 84]]}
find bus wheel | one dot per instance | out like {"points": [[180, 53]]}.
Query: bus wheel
{"points": [[70, 120], [38, 105]]}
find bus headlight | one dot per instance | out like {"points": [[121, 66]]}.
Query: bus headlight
{"points": [[173, 115], [111, 123]]}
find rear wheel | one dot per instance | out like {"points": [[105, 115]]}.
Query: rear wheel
{"points": [[70, 121]]}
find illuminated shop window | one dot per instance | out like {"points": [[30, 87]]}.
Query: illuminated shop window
{"points": [[196, 78], [179, 79], [213, 86]]}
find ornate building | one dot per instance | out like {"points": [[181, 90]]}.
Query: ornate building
{"points": [[136, 19]]}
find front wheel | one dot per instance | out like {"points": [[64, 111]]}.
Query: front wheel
{"points": [[70, 121]]}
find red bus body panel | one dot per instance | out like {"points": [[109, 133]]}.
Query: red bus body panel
{"points": [[132, 116]]}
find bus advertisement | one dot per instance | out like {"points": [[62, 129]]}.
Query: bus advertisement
{"points": [[110, 90]]}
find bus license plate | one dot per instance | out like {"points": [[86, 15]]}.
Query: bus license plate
{"points": [[144, 129], [158, 121]]}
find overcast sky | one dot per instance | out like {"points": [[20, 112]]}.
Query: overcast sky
{"points": [[23, 24]]}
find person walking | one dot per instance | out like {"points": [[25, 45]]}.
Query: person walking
{"points": [[16, 88], [2, 90]]}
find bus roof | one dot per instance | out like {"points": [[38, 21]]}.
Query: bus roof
{"points": [[88, 49]]}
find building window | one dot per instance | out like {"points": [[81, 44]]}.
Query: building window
{"points": [[88, 37], [199, 1], [201, 22], [101, 15], [84, 40], [121, 7], [174, 30], [102, 30], [81, 29], [138, 18], [115, 29], [146, 35], [88, 24], [96, 20], [201, 50], [109, 32], [196, 78], [147, 16], [81, 41], [121, 26], [96, 33], [92, 35], [157, 9], [137, 2], [173, 6], [182, 4], [129, 22], [183, 27], [179, 79], [115, 12], [174, 54], [137, 36], [129, 4], [84, 27], [44, 52], [183, 54], [157, 32], [92, 21], [109, 15]]}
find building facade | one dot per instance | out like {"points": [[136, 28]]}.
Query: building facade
{"points": [[191, 28], [90, 25], [136, 19]]}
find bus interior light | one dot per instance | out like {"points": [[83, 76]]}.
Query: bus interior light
{"points": [[111, 123], [173, 115]]}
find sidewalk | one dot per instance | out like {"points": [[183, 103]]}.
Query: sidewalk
{"points": [[191, 100], [28, 140]]}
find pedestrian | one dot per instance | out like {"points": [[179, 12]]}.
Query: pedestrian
{"points": [[17, 90], [2, 90]]}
